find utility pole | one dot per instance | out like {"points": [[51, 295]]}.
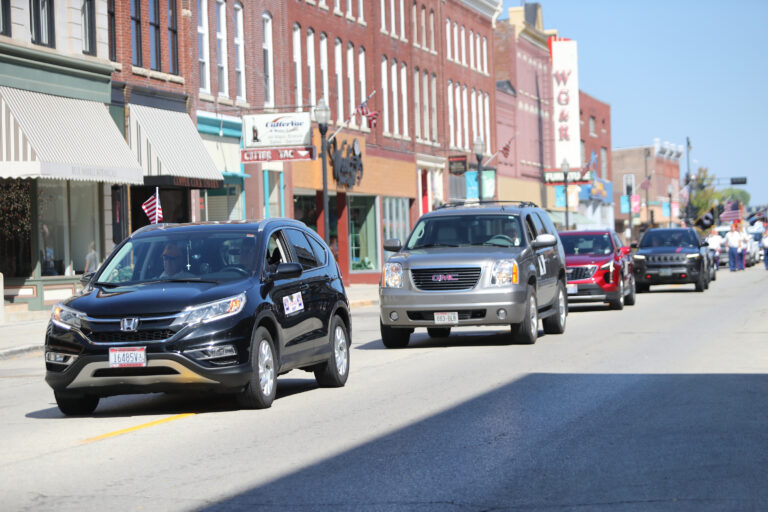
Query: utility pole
{"points": [[647, 186], [629, 195], [566, 168], [689, 206]]}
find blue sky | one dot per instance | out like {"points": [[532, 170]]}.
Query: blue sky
{"points": [[671, 69]]}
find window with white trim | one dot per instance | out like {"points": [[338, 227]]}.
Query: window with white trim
{"points": [[202, 44], [297, 74], [155, 54], [485, 55], [349, 8], [324, 68], [433, 106], [404, 89], [478, 51], [338, 72], [432, 30], [457, 93], [480, 116], [383, 17], [240, 52], [456, 54], [471, 50], [425, 102], [361, 70], [351, 82], [385, 94], [463, 46], [448, 46], [465, 118], [629, 182], [88, 20], [487, 123], [451, 132], [423, 25], [221, 47], [402, 21], [416, 104], [392, 19], [360, 12], [269, 61], [414, 32], [473, 112], [311, 69], [395, 100]]}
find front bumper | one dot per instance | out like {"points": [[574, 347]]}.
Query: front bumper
{"points": [[591, 292], [667, 275], [481, 306]]}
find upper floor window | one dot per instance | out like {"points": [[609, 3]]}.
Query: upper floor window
{"points": [[351, 80], [383, 17], [239, 52], [485, 55], [221, 47], [202, 43], [339, 80], [402, 21], [269, 65], [324, 67], [592, 125], [5, 17], [448, 46], [361, 69], [173, 38], [423, 26], [414, 32], [311, 67], [432, 30], [136, 57], [112, 42], [472, 50], [297, 75], [41, 22], [463, 46], [87, 15], [360, 15], [154, 34], [604, 163]]}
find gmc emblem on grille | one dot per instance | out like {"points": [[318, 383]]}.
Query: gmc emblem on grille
{"points": [[129, 324], [439, 278]]}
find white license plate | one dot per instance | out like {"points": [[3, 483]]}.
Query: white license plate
{"points": [[665, 272], [127, 357], [450, 317], [572, 289]]}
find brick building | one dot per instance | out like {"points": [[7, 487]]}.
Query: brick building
{"points": [[596, 199]]}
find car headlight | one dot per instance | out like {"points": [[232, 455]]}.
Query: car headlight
{"points": [[393, 276], [211, 311], [65, 317], [693, 256], [639, 257], [504, 272]]}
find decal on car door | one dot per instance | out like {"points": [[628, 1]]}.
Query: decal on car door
{"points": [[542, 265], [293, 303]]}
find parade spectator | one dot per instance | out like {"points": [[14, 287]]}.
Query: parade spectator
{"points": [[764, 243], [734, 241], [715, 242]]}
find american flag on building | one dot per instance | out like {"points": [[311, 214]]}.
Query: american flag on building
{"points": [[363, 111], [153, 209], [731, 211]]}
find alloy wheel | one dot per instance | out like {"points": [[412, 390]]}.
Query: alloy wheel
{"points": [[340, 349], [266, 368], [533, 318], [561, 309]]}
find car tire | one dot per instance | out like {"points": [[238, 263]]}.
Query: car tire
{"points": [[262, 386], [527, 331], [618, 302], [76, 405], [701, 284], [555, 324], [439, 332], [394, 337], [642, 288], [334, 372], [631, 297]]}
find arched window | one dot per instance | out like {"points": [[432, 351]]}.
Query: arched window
{"points": [[448, 45], [324, 68], [339, 77], [297, 72], [464, 117], [471, 50], [404, 89], [402, 21], [463, 46], [414, 33], [385, 94], [202, 44], [457, 97], [221, 48], [485, 55], [351, 81], [433, 106], [487, 117], [395, 100], [432, 30], [392, 19], [425, 102], [451, 132], [423, 25], [240, 51], [456, 54], [361, 70], [383, 10], [269, 57], [473, 112], [416, 104], [311, 69]]}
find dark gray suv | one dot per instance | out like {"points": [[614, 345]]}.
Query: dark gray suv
{"points": [[492, 263]]}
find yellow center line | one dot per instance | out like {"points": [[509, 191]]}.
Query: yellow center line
{"points": [[137, 427]]}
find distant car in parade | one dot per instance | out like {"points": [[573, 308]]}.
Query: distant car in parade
{"points": [[223, 307], [599, 268], [671, 256]]}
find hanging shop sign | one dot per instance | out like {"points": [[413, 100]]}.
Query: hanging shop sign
{"points": [[347, 163], [565, 87], [557, 177], [457, 164], [291, 129], [277, 154]]}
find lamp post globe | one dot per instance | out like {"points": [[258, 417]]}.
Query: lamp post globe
{"points": [[323, 116], [479, 147]]}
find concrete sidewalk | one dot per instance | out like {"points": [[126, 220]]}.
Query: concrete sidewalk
{"points": [[18, 338]]}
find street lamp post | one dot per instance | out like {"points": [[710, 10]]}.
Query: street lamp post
{"points": [[323, 115], [566, 168], [479, 146], [629, 195], [647, 187], [669, 196]]}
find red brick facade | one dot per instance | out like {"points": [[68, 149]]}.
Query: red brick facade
{"points": [[595, 118]]}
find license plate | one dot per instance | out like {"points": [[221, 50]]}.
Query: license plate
{"points": [[665, 272], [127, 357], [572, 289], [450, 317]]}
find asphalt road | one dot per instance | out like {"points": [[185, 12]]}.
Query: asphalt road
{"points": [[662, 406]]}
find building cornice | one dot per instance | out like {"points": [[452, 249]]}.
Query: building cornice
{"points": [[488, 8]]}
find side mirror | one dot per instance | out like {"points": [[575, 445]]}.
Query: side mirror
{"points": [[286, 271], [633, 245], [544, 240], [86, 279], [625, 250], [392, 244]]}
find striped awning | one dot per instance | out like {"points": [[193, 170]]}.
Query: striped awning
{"points": [[45, 136], [168, 144]]}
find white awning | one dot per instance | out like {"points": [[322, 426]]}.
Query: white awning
{"points": [[170, 144], [45, 136]]}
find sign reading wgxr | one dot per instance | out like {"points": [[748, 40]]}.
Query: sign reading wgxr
{"points": [[565, 90]]}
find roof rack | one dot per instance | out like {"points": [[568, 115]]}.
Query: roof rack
{"points": [[456, 204]]}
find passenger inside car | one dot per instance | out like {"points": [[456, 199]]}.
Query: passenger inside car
{"points": [[274, 255]]}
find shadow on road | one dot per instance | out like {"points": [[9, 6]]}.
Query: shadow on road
{"points": [[552, 442], [473, 338]]}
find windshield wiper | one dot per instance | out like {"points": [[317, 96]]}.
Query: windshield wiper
{"points": [[435, 245], [494, 244], [107, 285], [181, 280]]}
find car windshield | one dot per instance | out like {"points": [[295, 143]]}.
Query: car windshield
{"points": [[456, 230], [183, 257], [670, 238], [595, 244]]}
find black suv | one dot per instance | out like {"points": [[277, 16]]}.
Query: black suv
{"points": [[482, 264], [220, 307], [671, 256]]}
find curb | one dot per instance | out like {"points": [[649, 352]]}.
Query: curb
{"points": [[10, 353]]}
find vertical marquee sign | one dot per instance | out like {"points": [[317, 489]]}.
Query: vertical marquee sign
{"points": [[565, 91]]}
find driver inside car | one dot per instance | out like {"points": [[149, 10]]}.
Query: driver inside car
{"points": [[173, 262], [248, 254]]}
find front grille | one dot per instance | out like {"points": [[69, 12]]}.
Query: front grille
{"points": [[120, 336], [135, 372], [665, 259], [464, 314], [444, 279], [577, 273]]}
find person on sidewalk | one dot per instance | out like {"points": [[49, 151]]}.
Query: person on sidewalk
{"points": [[733, 241], [764, 243]]}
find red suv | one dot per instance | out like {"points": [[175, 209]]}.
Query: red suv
{"points": [[598, 268]]}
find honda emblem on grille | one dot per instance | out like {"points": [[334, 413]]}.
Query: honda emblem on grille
{"points": [[439, 278], [129, 324]]}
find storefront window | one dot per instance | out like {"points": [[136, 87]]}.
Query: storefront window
{"points": [[362, 233], [224, 203], [53, 223], [86, 242], [16, 228], [395, 219], [305, 210]]}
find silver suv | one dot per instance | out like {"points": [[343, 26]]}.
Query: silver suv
{"points": [[486, 264]]}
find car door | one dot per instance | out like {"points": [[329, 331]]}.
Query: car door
{"points": [[287, 296], [544, 255]]}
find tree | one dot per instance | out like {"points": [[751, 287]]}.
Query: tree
{"points": [[703, 192], [734, 194]]}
